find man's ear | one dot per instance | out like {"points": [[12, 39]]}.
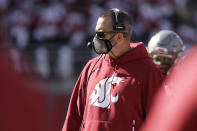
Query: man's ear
{"points": [[119, 37]]}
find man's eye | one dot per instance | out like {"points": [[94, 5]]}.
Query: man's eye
{"points": [[100, 34]]}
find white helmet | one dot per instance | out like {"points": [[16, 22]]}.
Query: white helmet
{"points": [[164, 48]]}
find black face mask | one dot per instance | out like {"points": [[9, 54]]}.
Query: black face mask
{"points": [[102, 46]]}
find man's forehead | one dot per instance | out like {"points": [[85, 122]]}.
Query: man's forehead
{"points": [[104, 24]]}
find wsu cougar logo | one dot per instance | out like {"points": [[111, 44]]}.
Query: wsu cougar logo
{"points": [[101, 95]]}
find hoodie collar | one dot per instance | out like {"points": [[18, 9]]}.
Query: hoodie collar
{"points": [[138, 52]]}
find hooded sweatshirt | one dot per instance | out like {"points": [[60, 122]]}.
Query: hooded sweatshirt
{"points": [[114, 94]]}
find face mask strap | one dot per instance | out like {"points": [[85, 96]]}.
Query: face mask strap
{"points": [[107, 43]]}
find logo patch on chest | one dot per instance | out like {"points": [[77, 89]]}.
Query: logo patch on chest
{"points": [[102, 94]]}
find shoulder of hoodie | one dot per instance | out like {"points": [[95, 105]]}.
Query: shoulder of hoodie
{"points": [[148, 62], [148, 65]]}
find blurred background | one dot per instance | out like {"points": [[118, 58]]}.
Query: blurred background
{"points": [[51, 37]]}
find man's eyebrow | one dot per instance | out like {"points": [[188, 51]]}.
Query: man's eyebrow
{"points": [[98, 30]]}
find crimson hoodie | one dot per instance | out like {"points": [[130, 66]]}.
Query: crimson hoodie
{"points": [[114, 94]]}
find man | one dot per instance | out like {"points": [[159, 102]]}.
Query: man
{"points": [[165, 48], [115, 90], [176, 108]]}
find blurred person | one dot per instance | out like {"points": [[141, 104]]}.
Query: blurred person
{"points": [[165, 48], [64, 67], [175, 105], [20, 35], [48, 24], [42, 61], [73, 26], [114, 90], [18, 23]]}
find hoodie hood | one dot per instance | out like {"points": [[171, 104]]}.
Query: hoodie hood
{"points": [[138, 51]]}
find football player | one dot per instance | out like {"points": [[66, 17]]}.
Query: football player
{"points": [[165, 48]]}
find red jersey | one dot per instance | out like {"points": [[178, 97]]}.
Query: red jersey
{"points": [[175, 105], [114, 94]]}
